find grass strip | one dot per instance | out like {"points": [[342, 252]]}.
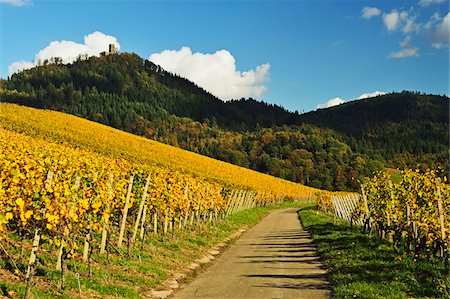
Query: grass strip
{"points": [[361, 266]]}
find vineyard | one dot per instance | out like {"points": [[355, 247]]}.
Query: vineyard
{"points": [[58, 192], [76, 132], [80, 192], [413, 214]]}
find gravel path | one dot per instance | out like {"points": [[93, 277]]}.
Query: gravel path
{"points": [[274, 259]]}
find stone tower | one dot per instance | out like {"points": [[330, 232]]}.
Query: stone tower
{"points": [[112, 49]]}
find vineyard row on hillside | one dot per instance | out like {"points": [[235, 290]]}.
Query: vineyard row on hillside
{"points": [[64, 129], [413, 214]]}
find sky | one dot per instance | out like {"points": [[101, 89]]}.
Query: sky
{"points": [[300, 54]]}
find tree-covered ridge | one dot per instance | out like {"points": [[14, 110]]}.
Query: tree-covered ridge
{"points": [[128, 78], [304, 154], [403, 128], [329, 149], [359, 116]]}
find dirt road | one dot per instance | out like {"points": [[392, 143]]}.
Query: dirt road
{"points": [[275, 259]]}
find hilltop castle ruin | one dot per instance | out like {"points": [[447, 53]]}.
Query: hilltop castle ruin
{"points": [[112, 49]]}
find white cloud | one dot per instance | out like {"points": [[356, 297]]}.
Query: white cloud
{"points": [[406, 43], [68, 51], [406, 49], [430, 2], [16, 2], [412, 22], [391, 20], [94, 44], [370, 12], [18, 66], [403, 20], [404, 53], [441, 34], [215, 72], [435, 18], [371, 95], [410, 26], [332, 102], [337, 101]]}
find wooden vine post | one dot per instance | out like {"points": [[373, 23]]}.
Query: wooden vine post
{"points": [[155, 223], [345, 209], [230, 203], [87, 239], [441, 218], [125, 213], [186, 197], [166, 224], [66, 229], [32, 262], [390, 208], [239, 201], [61, 264], [141, 208], [144, 218], [37, 237], [234, 202], [205, 212], [243, 201], [106, 224], [366, 207]]}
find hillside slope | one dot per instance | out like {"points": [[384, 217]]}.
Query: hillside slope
{"points": [[396, 126], [76, 132], [359, 116]]}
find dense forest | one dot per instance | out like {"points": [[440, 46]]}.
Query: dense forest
{"points": [[330, 149], [393, 125]]}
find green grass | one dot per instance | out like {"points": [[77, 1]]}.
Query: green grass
{"points": [[366, 267], [123, 276]]}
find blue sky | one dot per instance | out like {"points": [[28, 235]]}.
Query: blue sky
{"points": [[298, 54]]}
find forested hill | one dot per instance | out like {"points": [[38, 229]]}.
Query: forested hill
{"points": [[90, 88], [359, 116], [397, 126], [328, 149]]}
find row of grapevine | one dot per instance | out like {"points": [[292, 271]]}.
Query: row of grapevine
{"points": [[64, 129], [413, 213], [78, 200]]}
